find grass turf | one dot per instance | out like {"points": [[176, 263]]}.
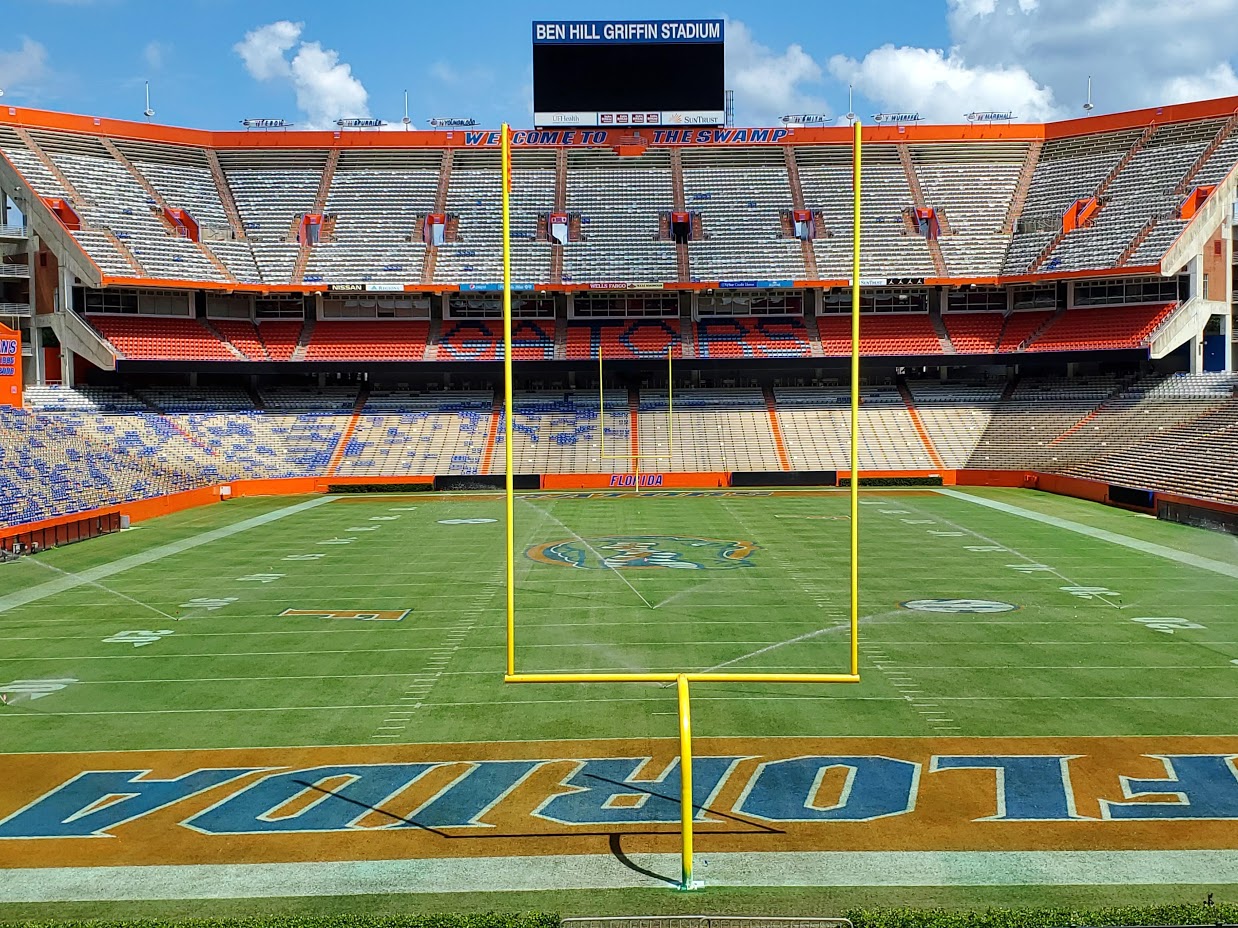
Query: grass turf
{"points": [[237, 673]]}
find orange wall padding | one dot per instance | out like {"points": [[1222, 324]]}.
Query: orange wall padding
{"points": [[139, 510], [655, 480]]}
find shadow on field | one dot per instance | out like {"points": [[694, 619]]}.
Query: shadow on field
{"points": [[614, 838]]}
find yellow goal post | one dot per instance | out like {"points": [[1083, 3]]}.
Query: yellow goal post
{"points": [[684, 679]]}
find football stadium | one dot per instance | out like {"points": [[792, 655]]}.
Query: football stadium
{"points": [[631, 515]]}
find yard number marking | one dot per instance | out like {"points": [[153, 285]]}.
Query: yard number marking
{"points": [[139, 638]]}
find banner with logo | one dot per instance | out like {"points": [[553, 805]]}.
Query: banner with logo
{"points": [[10, 366]]}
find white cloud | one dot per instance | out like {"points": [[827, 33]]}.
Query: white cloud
{"points": [[1220, 81], [325, 87], [1139, 52], [942, 87], [24, 67], [154, 54], [769, 84], [263, 49], [1033, 57]]}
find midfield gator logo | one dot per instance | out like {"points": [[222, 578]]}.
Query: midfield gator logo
{"points": [[645, 552]]}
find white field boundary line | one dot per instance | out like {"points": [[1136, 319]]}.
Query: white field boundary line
{"points": [[600, 871], [953, 669], [625, 739], [248, 654], [652, 695], [1135, 544], [72, 581]]}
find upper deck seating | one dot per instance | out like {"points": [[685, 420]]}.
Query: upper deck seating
{"points": [[753, 337], [482, 340], [161, 338], [1102, 327], [620, 339], [880, 334], [359, 340]]}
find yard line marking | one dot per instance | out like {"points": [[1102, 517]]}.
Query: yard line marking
{"points": [[1031, 562], [1135, 544], [51, 587]]}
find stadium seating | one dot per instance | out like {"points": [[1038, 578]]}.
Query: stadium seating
{"points": [[248, 208], [619, 201], [880, 334], [724, 429], [888, 249], [410, 433], [75, 449], [161, 338], [753, 337], [377, 199], [243, 336], [974, 333], [740, 196], [560, 433], [482, 340], [473, 198], [817, 434], [280, 337], [1112, 327], [624, 340], [359, 340]]}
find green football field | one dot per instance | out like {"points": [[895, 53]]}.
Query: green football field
{"points": [[379, 619]]}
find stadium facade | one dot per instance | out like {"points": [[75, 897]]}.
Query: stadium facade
{"points": [[198, 307]]}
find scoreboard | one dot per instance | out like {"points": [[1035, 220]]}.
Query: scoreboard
{"points": [[613, 73]]}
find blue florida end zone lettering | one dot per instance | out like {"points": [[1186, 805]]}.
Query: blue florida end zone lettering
{"points": [[93, 803], [871, 788], [1009, 791], [1198, 786], [606, 792], [1033, 788]]}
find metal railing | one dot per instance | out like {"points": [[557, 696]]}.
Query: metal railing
{"points": [[15, 309], [14, 270], [7, 231]]}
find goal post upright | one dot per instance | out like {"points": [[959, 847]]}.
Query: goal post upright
{"points": [[509, 485], [681, 680], [856, 149]]}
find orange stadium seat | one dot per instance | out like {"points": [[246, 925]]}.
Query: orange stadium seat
{"points": [[482, 340], [243, 336], [161, 338], [368, 341], [627, 339], [1106, 327], [280, 337], [897, 333], [757, 337], [1020, 326], [974, 333]]}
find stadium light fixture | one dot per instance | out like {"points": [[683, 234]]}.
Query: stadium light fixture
{"points": [[1088, 106], [850, 107], [406, 119], [148, 112]]}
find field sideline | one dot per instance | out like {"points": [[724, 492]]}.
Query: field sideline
{"points": [[1048, 692]]}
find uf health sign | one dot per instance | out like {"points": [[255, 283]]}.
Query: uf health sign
{"points": [[512, 798], [612, 32], [10, 367]]}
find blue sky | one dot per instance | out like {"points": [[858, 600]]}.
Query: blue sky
{"points": [[212, 63]]}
